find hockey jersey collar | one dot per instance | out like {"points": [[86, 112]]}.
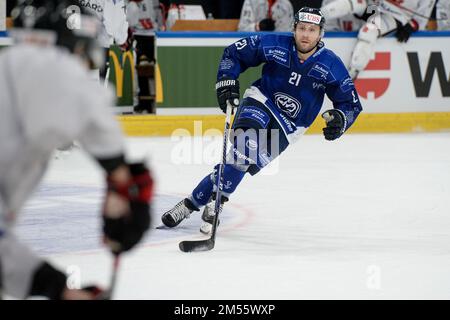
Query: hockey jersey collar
{"points": [[320, 49]]}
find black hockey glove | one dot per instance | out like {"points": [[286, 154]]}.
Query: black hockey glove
{"points": [[266, 25], [336, 124], [404, 31], [47, 282], [126, 230], [227, 89]]}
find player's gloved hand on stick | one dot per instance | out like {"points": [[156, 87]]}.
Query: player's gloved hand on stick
{"points": [[227, 89], [336, 124], [126, 211], [404, 31], [266, 25]]}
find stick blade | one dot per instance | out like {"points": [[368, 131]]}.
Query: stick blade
{"points": [[196, 245]]}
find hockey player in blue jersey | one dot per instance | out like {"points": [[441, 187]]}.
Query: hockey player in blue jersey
{"points": [[279, 107]]}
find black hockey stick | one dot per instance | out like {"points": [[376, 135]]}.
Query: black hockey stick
{"points": [[414, 13], [107, 294], [208, 244]]}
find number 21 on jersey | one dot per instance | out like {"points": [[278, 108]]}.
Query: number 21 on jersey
{"points": [[295, 78]]}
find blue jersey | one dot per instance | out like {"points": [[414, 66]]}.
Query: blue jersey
{"points": [[294, 89]]}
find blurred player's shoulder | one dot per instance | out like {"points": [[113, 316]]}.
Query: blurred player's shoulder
{"points": [[47, 59]]}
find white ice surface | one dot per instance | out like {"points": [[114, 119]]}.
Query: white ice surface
{"points": [[364, 217]]}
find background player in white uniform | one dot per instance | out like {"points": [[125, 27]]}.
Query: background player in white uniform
{"points": [[143, 16], [266, 15], [114, 25], [113, 18], [50, 100], [349, 22], [383, 17], [443, 14]]}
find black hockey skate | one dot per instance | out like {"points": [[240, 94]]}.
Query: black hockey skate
{"points": [[181, 211]]}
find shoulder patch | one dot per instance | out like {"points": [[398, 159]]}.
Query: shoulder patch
{"points": [[320, 71], [347, 84]]}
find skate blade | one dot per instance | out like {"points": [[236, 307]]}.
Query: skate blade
{"points": [[162, 226]]}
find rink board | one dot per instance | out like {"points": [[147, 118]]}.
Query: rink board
{"points": [[405, 87], [150, 125]]}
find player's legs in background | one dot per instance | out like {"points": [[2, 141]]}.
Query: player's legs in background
{"points": [[104, 70], [376, 26]]}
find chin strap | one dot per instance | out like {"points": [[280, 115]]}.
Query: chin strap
{"points": [[306, 52]]}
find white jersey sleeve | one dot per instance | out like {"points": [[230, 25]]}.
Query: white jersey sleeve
{"points": [[283, 14], [443, 14], [115, 20], [249, 17], [253, 11]]}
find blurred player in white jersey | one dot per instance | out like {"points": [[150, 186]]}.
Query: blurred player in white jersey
{"points": [[443, 14], [349, 22], [266, 15], [383, 17], [50, 100], [114, 25]]}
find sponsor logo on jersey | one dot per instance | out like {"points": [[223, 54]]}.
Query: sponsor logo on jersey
{"points": [[319, 71], [287, 104], [199, 195], [251, 144], [288, 123], [254, 113], [228, 184], [93, 6], [264, 159], [318, 86], [355, 100], [242, 158], [277, 54], [347, 84], [226, 64]]}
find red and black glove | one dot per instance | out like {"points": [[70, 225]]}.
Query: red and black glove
{"points": [[124, 231], [404, 31]]}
